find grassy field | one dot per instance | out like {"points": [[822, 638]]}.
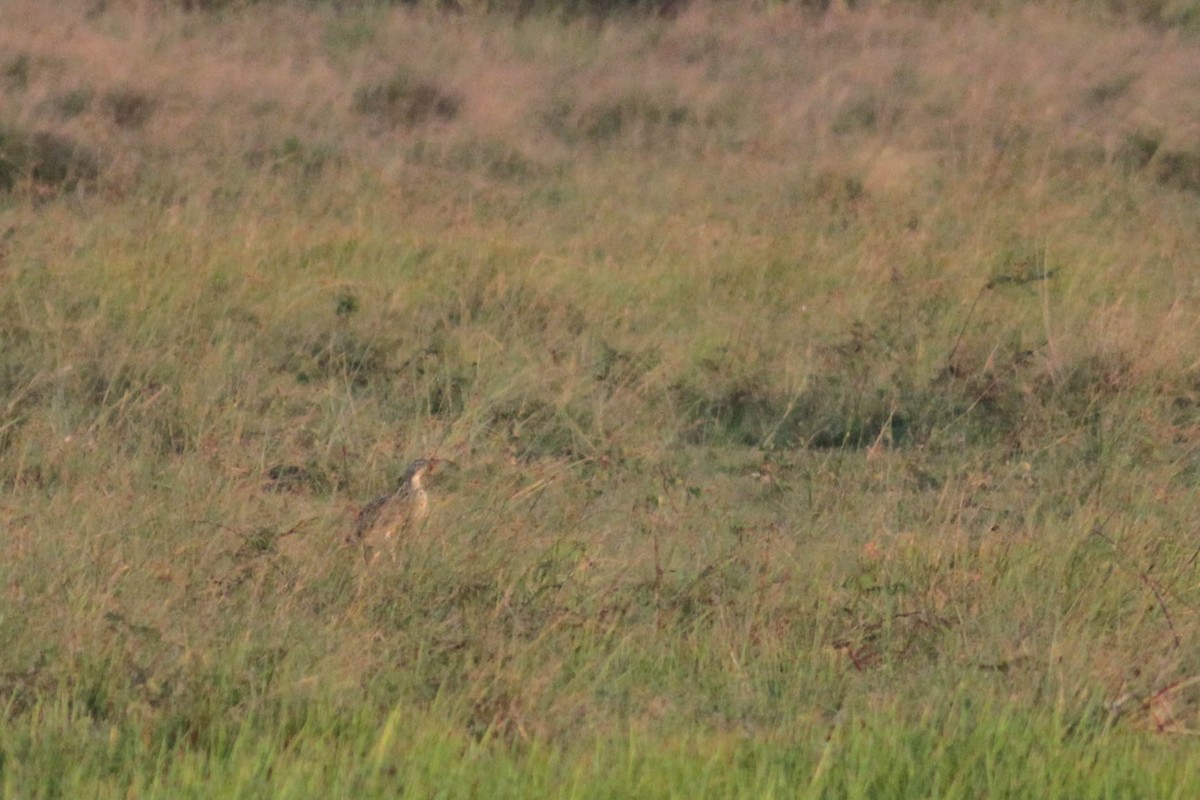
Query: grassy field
{"points": [[821, 395]]}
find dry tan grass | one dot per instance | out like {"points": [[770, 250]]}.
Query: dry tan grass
{"points": [[786, 71]]}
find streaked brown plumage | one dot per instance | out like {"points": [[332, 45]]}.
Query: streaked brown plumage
{"points": [[381, 521]]}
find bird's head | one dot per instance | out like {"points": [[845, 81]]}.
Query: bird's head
{"points": [[416, 471]]}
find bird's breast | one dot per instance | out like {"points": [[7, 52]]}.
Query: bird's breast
{"points": [[420, 505]]}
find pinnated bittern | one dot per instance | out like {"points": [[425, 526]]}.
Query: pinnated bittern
{"points": [[383, 520]]}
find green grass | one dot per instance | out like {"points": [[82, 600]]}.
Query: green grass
{"points": [[948, 754], [819, 395]]}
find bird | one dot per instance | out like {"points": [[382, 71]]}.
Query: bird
{"points": [[385, 518]]}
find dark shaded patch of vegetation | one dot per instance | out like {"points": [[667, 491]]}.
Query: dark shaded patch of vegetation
{"points": [[486, 157], [340, 355], [47, 160], [406, 101], [1154, 12], [1179, 169], [217, 5], [633, 114], [1080, 159], [755, 416], [1104, 93], [567, 8], [839, 192], [535, 428], [433, 381], [72, 103], [334, 350], [18, 357], [858, 115], [310, 477], [520, 308], [293, 156], [1136, 151], [345, 304], [1174, 168], [16, 72], [854, 398], [986, 392], [616, 368], [141, 403], [128, 107], [21, 689]]}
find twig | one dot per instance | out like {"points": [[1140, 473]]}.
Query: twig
{"points": [[963, 330], [1145, 578]]}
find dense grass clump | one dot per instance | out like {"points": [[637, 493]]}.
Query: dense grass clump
{"points": [[816, 391]]}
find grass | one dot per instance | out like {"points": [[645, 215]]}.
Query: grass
{"points": [[820, 393]]}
